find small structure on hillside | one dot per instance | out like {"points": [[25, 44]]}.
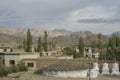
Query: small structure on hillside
{"points": [[89, 52], [6, 49], [115, 69], [67, 69], [105, 69]]}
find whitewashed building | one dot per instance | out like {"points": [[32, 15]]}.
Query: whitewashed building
{"points": [[10, 58], [30, 60], [68, 69], [5, 49], [89, 52]]}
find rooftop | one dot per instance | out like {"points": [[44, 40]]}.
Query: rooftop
{"points": [[5, 47], [64, 66], [29, 56]]}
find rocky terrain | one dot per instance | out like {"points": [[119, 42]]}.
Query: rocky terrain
{"points": [[58, 36]]}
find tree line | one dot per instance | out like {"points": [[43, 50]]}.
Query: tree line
{"points": [[109, 50], [41, 45]]}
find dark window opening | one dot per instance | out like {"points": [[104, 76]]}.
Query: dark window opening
{"points": [[86, 55], [30, 64], [5, 50], [3, 61], [87, 50], [12, 62], [93, 56], [93, 50], [11, 50], [119, 66]]}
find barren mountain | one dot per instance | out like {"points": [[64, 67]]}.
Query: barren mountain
{"points": [[34, 32], [57, 36]]}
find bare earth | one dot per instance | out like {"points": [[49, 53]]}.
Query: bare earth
{"points": [[31, 76]]}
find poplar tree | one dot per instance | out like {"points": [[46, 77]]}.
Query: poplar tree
{"points": [[81, 45], [29, 41], [39, 47], [100, 47], [45, 41], [24, 44]]}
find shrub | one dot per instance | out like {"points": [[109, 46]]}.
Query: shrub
{"points": [[22, 67], [3, 71], [13, 69], [76, 55]]}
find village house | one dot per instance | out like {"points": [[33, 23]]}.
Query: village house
{"points": [[6, 49], [89, 52], [8, 58]]}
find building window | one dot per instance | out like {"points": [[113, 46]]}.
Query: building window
{"points": [[30, 64], [12, 62], [5, 50], [11, 50], [87, 50], [3, 61]]}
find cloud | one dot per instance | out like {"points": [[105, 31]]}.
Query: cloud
{"points": [[99, 20], [66, 14], [94, 14]]}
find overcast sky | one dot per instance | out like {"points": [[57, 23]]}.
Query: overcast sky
{"points": [[75, 15]]}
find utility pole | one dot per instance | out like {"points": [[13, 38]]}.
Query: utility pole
{"points": [[89, 68], [89, 65]]}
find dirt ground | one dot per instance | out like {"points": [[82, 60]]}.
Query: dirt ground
{"points": [[31, 76]]}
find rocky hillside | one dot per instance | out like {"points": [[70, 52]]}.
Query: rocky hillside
{"points": [[57, 36], [35, 32]]}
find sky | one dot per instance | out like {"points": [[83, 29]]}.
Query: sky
{"points": [[98, 16]]}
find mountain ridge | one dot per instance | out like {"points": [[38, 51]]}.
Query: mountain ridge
{"points": [[58, 36]]}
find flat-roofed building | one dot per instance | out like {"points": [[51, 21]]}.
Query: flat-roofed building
{"points": [[6, 49], [90, 52], [11, 58], [29, 60]]}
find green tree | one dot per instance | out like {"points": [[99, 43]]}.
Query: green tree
{"points": [[50, 46], [93, 44], [24, 44], [45, 41], [22, 67], [110, 55], [3, 71], [39, 47], [100, 45], [68, 51], [114, 46], [81, 45], [113, 41], [29, 42], [117, 40]]}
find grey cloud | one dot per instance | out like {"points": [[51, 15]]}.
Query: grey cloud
{"points": [[100, 20], [32, 13]]}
